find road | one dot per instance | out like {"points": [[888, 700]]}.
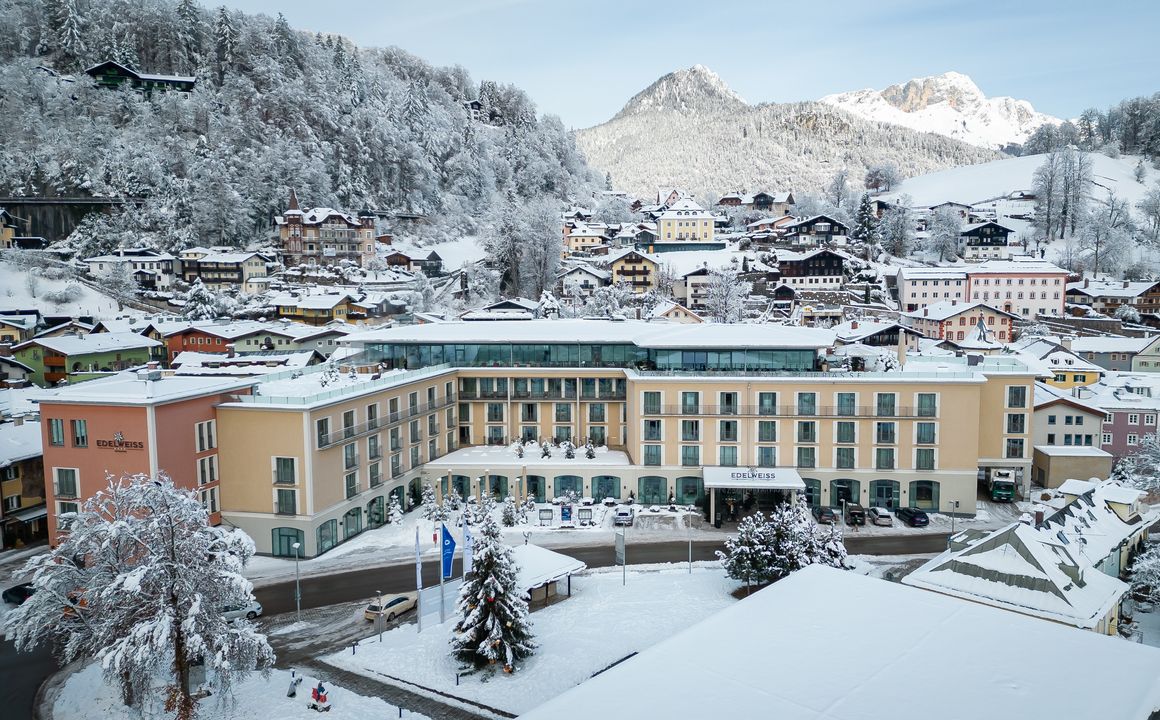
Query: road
{"points": [[20, 677], [355, 585]]}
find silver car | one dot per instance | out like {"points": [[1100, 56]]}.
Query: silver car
{"points": [[881, 516], [248, 612]]}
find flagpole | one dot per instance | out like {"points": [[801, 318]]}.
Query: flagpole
{"points": [[418, 582], [442, 606]]}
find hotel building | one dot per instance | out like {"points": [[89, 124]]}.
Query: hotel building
{"points": [[691, 413]]}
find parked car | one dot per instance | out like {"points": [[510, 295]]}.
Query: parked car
{"points": [[17, 594], [248, 612], [881, 516], [912, 516], [825, 515], [623, 516], [855, 514], [392, 607]]}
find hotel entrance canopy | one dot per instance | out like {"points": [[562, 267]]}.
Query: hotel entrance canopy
{"points": [[753, 478]]}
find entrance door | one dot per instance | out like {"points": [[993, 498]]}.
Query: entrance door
{"points": [[536, 487], [566, 483], [884, 493], [843, 490], [375, 516], [284, 539]]}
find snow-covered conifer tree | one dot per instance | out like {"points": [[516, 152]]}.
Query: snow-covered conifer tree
{"points": [[428, 505], [394, 510], [493, 626], [747, 556], [726, 294], [897, 230], [865, 228], [138, 583], [509, 511], [945, 226], [200, 303]]}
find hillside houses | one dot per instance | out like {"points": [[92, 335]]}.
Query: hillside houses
{"points": [[1106, 296], [324, 235]]}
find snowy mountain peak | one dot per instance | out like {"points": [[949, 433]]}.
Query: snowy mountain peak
{"points": [[949, 104], [697, 89]]}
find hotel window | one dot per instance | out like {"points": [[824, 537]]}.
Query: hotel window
{"points": [[806, 457], [766, 431], [206, 435], [348, 424], [349, 456], [885, 433], [375, 475], [807, 403], [284, 473], [65, 483], [415, 457], [1050, 438], [844, 458], [846, 432], [728, 431], [596, 412], [563, 412], [413, 401], [207, 470], [430, 397], [1050, 419], [925, 433], [1016, 423], [1017, 396], [1148, 420], [767, 403], [766, 456], [80, 433], [374, 447], [351, 482], [56, 432], [690, 455], [886, 405], [563, 432], [285, 502], [432, 449], [1133, 419], [691, 430], [807, 431], [728, 456], [652, 454], [652, 429], [690, 403], [209, 499], [847, 403], [924, 459], [415, 433], [322, 427], [652, 403], [393, 408], [728, 403], [884, 459], [1014, 448]]}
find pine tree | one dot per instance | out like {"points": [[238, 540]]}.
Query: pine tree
{"points": [[747, 556], [394, 510], [897, 229], [509, 512], [493, 626], [200, 303], [189, 34], [865, 224], [70, 33], [429, 507], [225, 42], [119, 284]]}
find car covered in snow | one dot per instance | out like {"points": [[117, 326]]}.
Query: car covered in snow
{"points": [[623, 516], [248, 612], [392, 606], [881, 516], [17, 594]]}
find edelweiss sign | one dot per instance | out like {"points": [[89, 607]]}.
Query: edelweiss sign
{"points": [[753, 478], [120, 444]]}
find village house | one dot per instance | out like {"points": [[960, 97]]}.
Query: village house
{"points": [[686, 225], [113, 75], [22, 497], [1110, 353], [150, 269], [315, 309], [324, 236], [1067, 369], [1065, 420], [692, 288], [922, 286], [673, 312], [219, 270], [1106, 296], [816, 231], [820, 269], [1132, 404], [876, 333], [634, 267], [80, 357], [581, 281], [954, 320], [986, 241], [13, 373], [8, 230], [1148, 359], [582, 239], [246, 364], [17, 326], [1022, 285]]}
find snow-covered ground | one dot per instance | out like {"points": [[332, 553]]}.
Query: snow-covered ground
{"points": [[85, 696], [16, 295], [603, 622]]}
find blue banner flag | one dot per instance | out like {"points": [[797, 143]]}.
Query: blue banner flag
{"points": [[448, 552]]}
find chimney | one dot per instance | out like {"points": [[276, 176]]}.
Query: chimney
{"points": [[1038, 517], [1125, 283], [926, 312], [1086, 282], [854, 325], [153, 365], [18, 421], [954, 302]]}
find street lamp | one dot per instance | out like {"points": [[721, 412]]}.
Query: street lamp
{"points": [[379, 617], [297, 548]]}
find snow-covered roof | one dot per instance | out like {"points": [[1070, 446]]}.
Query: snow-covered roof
{"points": [[594, 272], [539, 566], [1089, 525], [1111, 288], [1105, 344], [241, 364], [932, 273], [1046, 394], [495, 457], [313, 302], [231, 258], [1072, 451], [128, 388], [91, 343], [1019, 264], [638, 332], [945, 309], [784, 652], [1027, 570], [618, 254], [855, 330], [317, 216], [19, 442]]}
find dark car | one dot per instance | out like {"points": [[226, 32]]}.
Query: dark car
{"points": [[855, 514], [912, 516], [825, 515], [17, 594]]}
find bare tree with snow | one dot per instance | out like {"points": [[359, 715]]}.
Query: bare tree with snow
{"points": [[944, 228], [726, 294], [1105, 235], [139, 583]]}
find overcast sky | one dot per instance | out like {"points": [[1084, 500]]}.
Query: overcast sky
{"points": [[583, 60]]}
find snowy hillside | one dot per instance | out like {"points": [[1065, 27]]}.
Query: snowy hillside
{"points": [[975, 183], [54, 293], [690, 131], [949, 104]]}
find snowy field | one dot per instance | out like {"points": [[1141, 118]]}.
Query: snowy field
{"points": [[16, 295], [600, 624], [85, 696]]}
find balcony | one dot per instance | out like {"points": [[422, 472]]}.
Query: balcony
{"points": [[868, 411], [326, 440]]}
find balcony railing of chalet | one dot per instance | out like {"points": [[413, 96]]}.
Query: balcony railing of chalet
{"points": [[860, 411], [355, 431]]}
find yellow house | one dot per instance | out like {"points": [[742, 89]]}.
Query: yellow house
{"points": [[1068, 370], [7, 229], [636, 268], [685, 221], [583, 238], [315, 309]]}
